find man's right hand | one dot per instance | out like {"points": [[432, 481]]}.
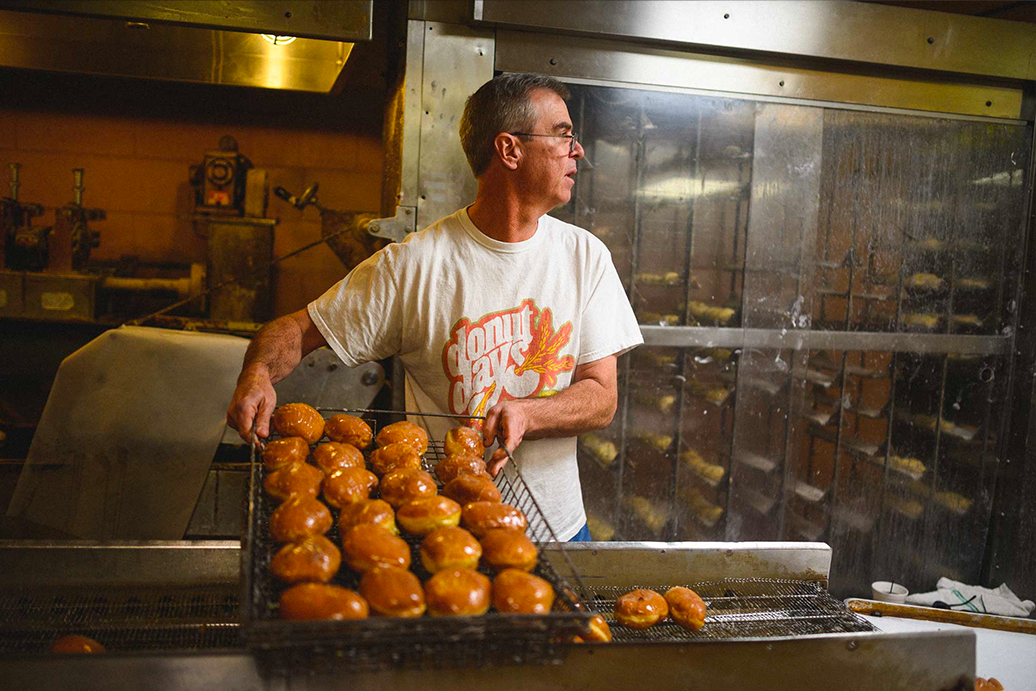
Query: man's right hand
{"points": [[254, 399]]}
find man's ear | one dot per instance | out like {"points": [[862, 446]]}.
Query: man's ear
{"points": [[508, 150]]}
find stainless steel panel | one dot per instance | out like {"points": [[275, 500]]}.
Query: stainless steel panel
{"points": [[935, 660], [11, 287], [335, 20], [60, 297], [88, 563], [843, 31], [107, 46], [457, 60], [587, 58], [629, 564], [412, 118], [778, 295]]}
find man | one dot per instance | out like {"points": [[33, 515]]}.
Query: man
{"points": [[496, 310]]}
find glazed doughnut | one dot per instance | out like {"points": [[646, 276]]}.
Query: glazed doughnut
{"points": [[471, 488], [367, 545], [348, 429], [597, 631], [397, 456], [348, 485], [425, 514], [392, 591], [281, 452], [450, 548], [313, 559], [686, 608], [374, 511], [75, 643], [457, 592], [641, 609], [299, 518], [482, 516], [299, 420], [295, 480], [518, 592], [463, 440], [402, 486], [316, 601], [455, 465], [406, 432], [335, 455], [508, 549]]}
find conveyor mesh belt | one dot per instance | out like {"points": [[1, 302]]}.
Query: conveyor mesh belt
{"points": [[742, 608], [120, 618]]}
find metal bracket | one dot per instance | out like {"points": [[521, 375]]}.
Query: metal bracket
{"points": [[397, 227]]}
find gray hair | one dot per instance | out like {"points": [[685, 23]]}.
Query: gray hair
{"points": [[500, 105]]}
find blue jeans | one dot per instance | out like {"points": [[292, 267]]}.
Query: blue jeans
{"points": [[583, 535]]}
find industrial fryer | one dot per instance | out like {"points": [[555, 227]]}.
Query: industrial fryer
{"points": [[792, 635]]}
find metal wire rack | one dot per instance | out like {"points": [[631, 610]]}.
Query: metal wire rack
{"points": [[122, 619], [289, 647], [740, 609]]}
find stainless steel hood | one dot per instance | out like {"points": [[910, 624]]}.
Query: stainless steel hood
{"points": [[205, 42]]}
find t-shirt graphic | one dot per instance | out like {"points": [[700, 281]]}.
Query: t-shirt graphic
{"points": [[505, 355]]}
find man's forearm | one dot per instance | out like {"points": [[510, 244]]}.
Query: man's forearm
{"points": [[582, 407], [276, 349]]}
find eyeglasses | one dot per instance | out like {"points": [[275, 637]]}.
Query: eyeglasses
{"points": [[572, 138]]}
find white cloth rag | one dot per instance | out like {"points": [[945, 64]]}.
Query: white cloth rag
{"points": [[987, 600]]}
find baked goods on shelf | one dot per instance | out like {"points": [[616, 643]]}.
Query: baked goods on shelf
{"points": [[450, 548], [299, 420], [403, 486], [335, 455], [396, 456], [392, 591], [641, 609], [76, 644], [425, 514], [348, 429], [924, 281], [601, 529], [455, 465], [708, 471], [710, 313], [298, 518], [373, 511], [314, 559], [463, 440], [366, 546], [652, 514], [508, 549], [287, 451], [659, 442], [601, 449], [480, 517], [663, 403], [349, 485], [518, 592], [406, 432], [470, 488], [295, 480], [457, 592], [686, 607], [318, 601]]}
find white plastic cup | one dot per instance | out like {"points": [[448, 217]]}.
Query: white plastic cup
{"points": [[886, 591]]}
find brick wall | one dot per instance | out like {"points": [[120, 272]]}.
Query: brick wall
{"points": [[135, 139]]}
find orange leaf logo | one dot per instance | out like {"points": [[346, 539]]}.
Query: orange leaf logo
{"points": [[542, 357]]}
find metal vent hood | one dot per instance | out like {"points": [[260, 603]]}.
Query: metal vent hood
{"points": [[305, 47]]}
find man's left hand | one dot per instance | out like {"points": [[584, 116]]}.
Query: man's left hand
{"points": [[508, 420]]}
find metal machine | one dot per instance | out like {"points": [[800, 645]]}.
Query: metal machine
{"points": [[826, 263]]}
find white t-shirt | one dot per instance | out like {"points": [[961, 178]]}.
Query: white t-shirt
{"points": [[474, 319]]}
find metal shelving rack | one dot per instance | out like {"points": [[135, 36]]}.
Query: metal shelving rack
{"points": [[832, 424]]}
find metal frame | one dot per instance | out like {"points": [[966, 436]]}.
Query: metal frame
{"points": [[332, 20], [848, 32]]}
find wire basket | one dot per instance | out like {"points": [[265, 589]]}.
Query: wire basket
{"points": [[292, 647]]}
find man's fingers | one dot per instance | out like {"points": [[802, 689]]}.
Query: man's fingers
{"points": [[497, 462], [262, 423], [489, 426]]}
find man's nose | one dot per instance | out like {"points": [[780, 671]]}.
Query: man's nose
{"points": [[577, 151]]}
